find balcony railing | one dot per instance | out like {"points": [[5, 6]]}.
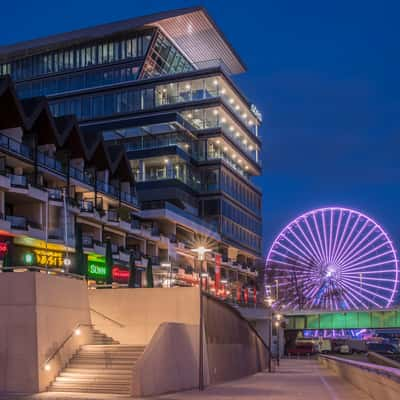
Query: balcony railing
{"points": [[106, 188], [112, 216], [49, 162], [55, 194], [129, 198], [87, 241], [86, 206], [17, 222], [15, 147], [171, 173], [18, 180], [82, 176]]}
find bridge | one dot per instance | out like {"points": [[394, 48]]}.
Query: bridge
{"points": [[373, 319]]}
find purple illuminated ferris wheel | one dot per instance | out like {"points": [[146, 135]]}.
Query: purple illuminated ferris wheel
{"points": [[332, 258]]}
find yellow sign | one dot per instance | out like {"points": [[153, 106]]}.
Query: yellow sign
{"points": [[49, 258]]}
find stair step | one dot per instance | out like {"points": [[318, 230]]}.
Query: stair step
{"points": [[105, 366], [96, 372]]}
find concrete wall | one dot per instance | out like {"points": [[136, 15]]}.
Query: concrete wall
{"points": [[381, 383], [132, 316], [61, 304], [170, 362], [234, 349], [37, 312]]}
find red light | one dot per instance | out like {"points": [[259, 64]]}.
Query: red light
{"points": [[119, 274], [3, 247]]}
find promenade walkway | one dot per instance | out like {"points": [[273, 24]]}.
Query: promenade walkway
{"points": [[294, 380]]}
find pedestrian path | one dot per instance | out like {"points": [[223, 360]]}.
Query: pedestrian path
{"points": [[294, 380]]}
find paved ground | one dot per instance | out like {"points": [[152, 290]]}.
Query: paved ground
{"points": [[294, 380]]}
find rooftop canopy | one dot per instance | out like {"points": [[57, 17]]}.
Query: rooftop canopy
{"points": [[191, 29]]}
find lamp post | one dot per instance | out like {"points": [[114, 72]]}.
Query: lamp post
{"points": [[277, 326], [201, 252], [268, 302]]}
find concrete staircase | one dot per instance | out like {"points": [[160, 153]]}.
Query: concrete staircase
{"points": [[102, 367]]}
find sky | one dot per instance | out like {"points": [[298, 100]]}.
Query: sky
{"points": [[325, 75]]}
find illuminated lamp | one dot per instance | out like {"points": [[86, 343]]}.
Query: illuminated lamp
{"points": [[28, 258]]}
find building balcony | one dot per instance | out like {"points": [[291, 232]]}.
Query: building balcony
{"points": [[171, 174], [82, 177], [55, 195], [212, 87], [50, 163], [5, 183], [15, 147], [20, 184], [166, 210]]}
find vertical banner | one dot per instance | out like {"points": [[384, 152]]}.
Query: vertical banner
{"points": [[218, 260], [246, 295], [238, 291]]}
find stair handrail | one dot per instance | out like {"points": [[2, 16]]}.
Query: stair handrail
{"points": [[75, 332], [108, 318]]}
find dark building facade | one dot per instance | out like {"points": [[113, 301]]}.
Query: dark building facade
{"points": [[162, 86]]}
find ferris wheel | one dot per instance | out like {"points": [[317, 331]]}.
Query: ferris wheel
{"points": [[332, 258]]}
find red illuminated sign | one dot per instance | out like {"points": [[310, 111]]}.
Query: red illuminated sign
{"points": [[119, 274], [3, 247]]}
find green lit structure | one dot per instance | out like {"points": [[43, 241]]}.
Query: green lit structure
{"points": [[345, 320]]}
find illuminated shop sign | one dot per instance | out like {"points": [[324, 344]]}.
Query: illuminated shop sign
{"points": [[43, 258], [3, 247], [119, 274], [97, 269]]}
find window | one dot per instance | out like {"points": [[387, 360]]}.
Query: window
{"points": [[76, 57]]}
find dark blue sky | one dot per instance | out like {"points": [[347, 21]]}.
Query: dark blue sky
{"points": [[325, 76]]}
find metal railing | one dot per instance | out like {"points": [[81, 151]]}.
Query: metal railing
{"points": [[75, 332], [107, 318]]}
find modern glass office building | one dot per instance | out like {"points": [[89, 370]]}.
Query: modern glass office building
{"points": [[162, 85]]}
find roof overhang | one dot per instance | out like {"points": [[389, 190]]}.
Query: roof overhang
{"points": [[191, 29]]}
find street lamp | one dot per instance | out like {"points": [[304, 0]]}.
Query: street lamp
{"points": [[278, 318], [269, 301], [201, 252]]}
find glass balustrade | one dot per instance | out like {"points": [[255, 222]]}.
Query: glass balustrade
{"points": [[17, 222], [18, 180]]}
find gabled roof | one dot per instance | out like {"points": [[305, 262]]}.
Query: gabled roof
{"points": [[191, 29], [34, 116]]}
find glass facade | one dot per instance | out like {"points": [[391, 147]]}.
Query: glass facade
{"points": [[156, 169], [206, 88], [79, 80], [165, 59], [77, 57], [241, 192]]}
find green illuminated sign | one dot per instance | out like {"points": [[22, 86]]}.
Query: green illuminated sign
{"points": [[97, 269]]}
